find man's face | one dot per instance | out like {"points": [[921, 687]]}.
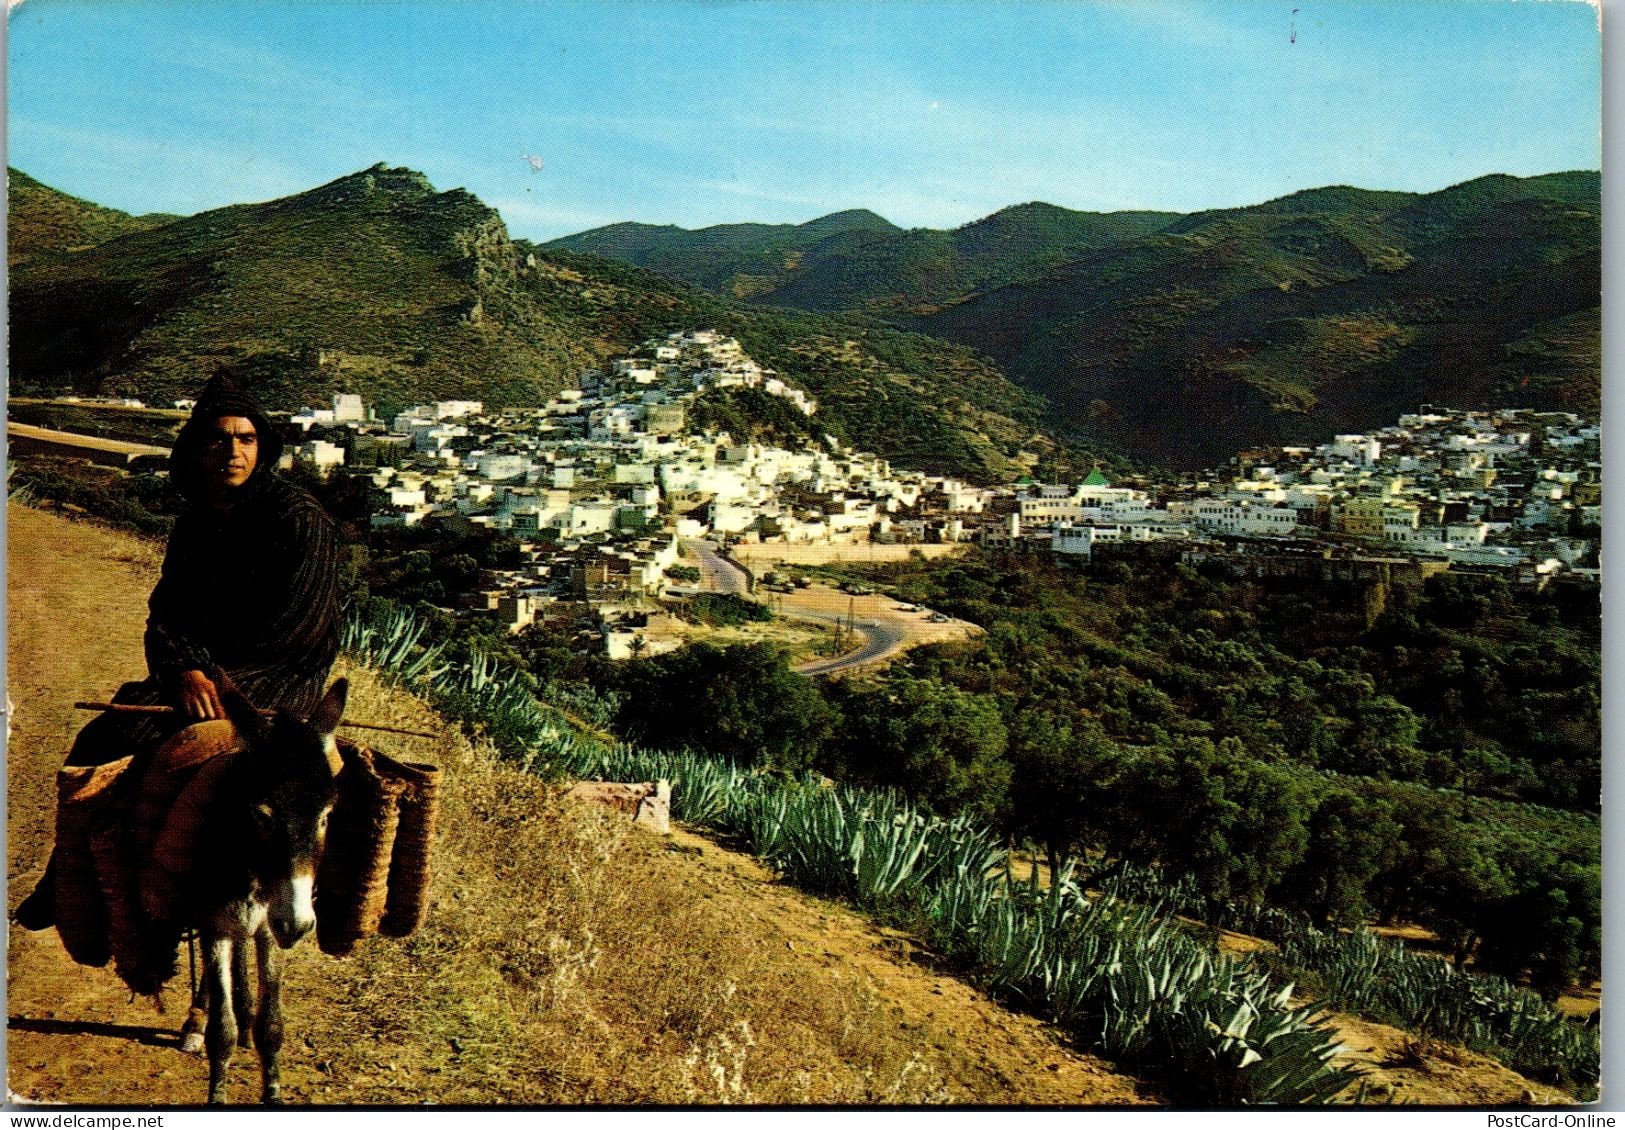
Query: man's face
{"points": [[231, 451]]}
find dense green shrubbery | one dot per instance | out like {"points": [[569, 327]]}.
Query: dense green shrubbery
{"points": [[743, 703], [1113, 974], [1302, 744], [725, 610]]}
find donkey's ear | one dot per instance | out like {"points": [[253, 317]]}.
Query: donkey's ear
{"points": [[325, 718], [250, 723]]}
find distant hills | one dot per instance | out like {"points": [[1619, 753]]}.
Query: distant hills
{"points": [[379, 284], [1179, 339], [858, 261], [42, 220], [1332, 310], [1032, 339]]}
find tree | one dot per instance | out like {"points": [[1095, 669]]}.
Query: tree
{"points": [[1056, 772], [1350, 839], [1549, 928], [935, 743], [1380, 741], [743, 702], [1268, 837], [1234, 825]]}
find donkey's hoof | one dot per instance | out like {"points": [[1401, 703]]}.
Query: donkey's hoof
{"points": [[192, 1043]]}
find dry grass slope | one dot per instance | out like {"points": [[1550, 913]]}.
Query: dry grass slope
{"points": [[572, 959]]}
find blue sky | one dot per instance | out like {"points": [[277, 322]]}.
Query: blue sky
{"points": [[930, 113]]}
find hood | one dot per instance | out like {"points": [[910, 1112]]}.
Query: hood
{"points": [[222, 396]]}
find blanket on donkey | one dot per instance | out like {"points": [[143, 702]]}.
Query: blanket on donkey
{"points": [[125, 849]]}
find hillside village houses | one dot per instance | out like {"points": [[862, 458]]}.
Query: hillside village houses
{"points": [[599, 484], [1480, 490]]}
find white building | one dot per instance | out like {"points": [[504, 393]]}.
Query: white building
{"points": [[320, 454], [348, 408], [498, 466]]}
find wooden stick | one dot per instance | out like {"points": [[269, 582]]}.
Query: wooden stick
{"points": [[132, 708]]}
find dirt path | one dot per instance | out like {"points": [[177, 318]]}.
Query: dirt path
{"points": [[76, 599], [763, 555]]}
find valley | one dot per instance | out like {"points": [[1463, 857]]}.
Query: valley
{"points": [[1059, 606]]}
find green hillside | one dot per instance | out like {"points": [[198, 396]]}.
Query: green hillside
{"points": [[381, 285], [1178, 339], [1172, 339], [858, 261], [41, 220], [1334, 309], [741, 260]]}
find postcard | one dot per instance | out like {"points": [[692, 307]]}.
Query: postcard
{"points": [[631, 555]]}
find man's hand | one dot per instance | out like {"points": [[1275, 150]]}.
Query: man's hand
{"points": [[200, 698]]}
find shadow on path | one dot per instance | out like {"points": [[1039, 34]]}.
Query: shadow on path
{"points": [[141, 1034]]}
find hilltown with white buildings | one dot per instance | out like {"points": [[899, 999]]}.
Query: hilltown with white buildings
{"points": [[600, 485]]}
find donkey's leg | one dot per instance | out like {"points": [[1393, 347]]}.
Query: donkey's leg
{"points": [[196, 1017], [221, 1033], [268, 1024], [242, 993]]}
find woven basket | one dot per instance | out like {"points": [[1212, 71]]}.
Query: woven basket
{"points": [[411, 862], [84, 803], [352, 884]]}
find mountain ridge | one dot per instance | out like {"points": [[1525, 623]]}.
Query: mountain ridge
{"points": [[1034, 335], [1277, 323], [1180, 338], [828, 263], [379, 284], [42, 221]]}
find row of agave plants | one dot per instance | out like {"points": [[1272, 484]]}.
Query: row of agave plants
{"points": [[1114, 975], [1376, 977], [483, 695]]}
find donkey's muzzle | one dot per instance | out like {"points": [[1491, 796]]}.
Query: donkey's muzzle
{"points": [[288, 931], [293, 914]]}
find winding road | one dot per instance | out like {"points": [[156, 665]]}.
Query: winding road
{"points": [[886, 629], [717, 573], [881, 641]]}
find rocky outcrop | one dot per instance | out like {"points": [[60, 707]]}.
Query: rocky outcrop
{"points": [[648, 803]]}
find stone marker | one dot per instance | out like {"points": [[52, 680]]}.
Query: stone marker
{"points": [[647, 803]]}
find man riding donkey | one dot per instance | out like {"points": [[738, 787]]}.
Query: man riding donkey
{"points": [[248, 597]]}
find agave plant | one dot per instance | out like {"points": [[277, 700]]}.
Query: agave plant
{"points": [[392, 643], [1112, 973]]}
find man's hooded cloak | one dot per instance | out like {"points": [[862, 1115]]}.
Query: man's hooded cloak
{"points": [[250, 592]]}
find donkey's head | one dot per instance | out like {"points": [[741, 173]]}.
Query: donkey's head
{"points": [[288, 792]]}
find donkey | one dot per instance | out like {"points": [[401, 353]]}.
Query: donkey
{"points": [[254, 875]]}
